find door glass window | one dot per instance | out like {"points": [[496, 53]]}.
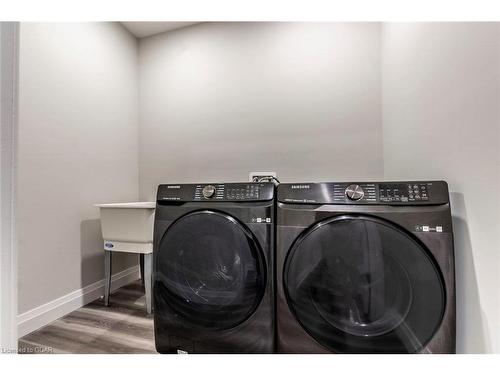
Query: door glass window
{"points": [[362, 285], [210, 270]]}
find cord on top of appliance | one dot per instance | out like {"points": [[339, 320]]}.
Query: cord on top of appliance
{"points": [[263, 177]]}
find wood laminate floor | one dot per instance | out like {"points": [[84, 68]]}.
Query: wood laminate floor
{"points": [[123, 327]]}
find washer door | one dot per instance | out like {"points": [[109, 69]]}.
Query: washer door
{"points": [[210, 270], [359, 284]]}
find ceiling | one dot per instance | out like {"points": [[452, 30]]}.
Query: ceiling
{"points": [[144, 29]]}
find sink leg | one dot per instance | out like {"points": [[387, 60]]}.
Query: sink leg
{"points": [[141, 265], [148, 280], [107, 276]]}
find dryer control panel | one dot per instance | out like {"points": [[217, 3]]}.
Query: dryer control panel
{"points": [[388, 193], [216, 192]]}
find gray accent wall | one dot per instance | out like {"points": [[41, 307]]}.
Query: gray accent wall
{"points": [[77, 146], [218, 100]]}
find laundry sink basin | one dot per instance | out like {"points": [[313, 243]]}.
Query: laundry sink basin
{"points": [[127, 227]]}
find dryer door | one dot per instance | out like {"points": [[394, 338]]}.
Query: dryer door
{"points": [[359, 284], [209, 270]]}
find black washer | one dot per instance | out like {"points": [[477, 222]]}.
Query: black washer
{"points": [[213, 280]]}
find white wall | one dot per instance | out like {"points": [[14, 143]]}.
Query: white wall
{"points": [[218, 100], [77, 146], [441, 120], [9, 36]]}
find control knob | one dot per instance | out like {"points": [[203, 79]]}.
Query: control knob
{"points": [[208, 191], [354, 192]]}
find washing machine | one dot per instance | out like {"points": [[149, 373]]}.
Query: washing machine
{"points": [[213, 268], [365, 268]]}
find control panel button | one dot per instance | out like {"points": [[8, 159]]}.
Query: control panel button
{"points": [[208, 191], [354, 192]]}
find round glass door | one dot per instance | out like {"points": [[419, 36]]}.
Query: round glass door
{"points": [[210, 270], [358, 284]]}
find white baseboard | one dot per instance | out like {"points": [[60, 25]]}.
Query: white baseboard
{"points": [[42, 315]]}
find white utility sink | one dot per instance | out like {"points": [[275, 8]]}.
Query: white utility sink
{"points": [[128, 227]]}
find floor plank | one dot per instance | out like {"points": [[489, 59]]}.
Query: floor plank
{"points": [[124, 327]]}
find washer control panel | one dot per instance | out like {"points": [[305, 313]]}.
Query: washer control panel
{"points": [[218, 192], [388, 193], [411, 192]]}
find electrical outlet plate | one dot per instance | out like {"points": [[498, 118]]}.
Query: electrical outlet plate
{"points": [[252, 175]]}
